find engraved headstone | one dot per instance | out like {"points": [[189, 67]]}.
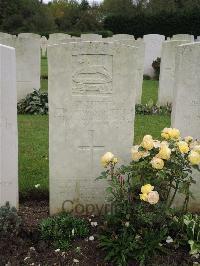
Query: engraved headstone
{"points": [[153, 46], [8, 128], [91, 105], [186, 104], [167, 69]]}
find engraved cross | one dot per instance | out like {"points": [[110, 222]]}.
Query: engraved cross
{"points": [[91, 148]]}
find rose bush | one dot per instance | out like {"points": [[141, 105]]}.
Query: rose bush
{"points": [[143, 192]]}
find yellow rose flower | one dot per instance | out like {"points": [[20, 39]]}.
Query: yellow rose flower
{"points": [[166, 133], [188, 139], [194, 143], [175, 133], [146, 188], [153, 197], [156, 143], [197, 148], [143, 197], [115, 160], [170, 133], [147, 142], [107, 158], [157, 163], [136, 155], [183, 147], [194, 158], [164, 152]]}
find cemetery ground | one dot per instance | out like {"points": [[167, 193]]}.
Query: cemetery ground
{"points": [[28, 248], [33, 186]]}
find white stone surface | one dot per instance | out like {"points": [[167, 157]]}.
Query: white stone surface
{"points": [[167, 69], [28, 65], [153, 46], [8, 128], [139, 43], [123, 37], [56, 38], [28, 59], [4, 35], [184, 37], [29, 35], [91, 104], [186, 104], [43, 45], [91, 37]]}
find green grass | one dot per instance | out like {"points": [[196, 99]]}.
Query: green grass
{"points": [[150, 91], [44, 72], [44, 66], [151, 125], [33, 152], [33, 147]]}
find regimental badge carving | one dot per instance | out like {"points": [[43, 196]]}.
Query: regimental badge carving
{"points": [[92, 80], [92, 75]]}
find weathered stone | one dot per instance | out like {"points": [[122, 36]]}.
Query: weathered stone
{"points": [[43, 45], [167, 69], [56, 38], [183, 37], [91, 37], [8, 128], [123, 37], [28, 65], [91, 104], [153, 46], [186, 103], [29, 35]]}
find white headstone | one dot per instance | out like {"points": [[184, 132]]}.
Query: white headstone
{"points": [[56, 38], [29, 35], [184, 37], [123, 37], [91, 104], [153, 46], [186, 104], [4, 35], [8, 128], [139, 43], [91, 37], [43, 45], [167, 69], [28, 65]]}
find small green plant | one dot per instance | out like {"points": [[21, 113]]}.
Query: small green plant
{"points": [[35, 103], [156, 66], [142, 194], [60, 230], [192, 228], [152, 109], [10, 221]]}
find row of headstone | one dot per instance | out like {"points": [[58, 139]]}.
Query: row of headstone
{"points": [[27, 46], [91, 104]]}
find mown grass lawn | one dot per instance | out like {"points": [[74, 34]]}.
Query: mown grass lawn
{"points": [[33, 147]]}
